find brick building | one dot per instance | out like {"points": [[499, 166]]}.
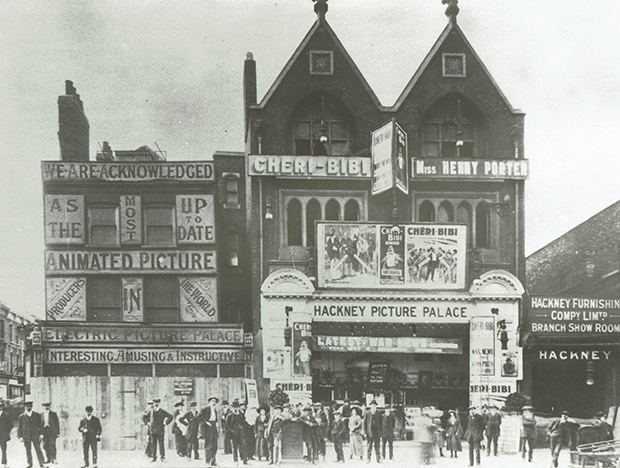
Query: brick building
{"points": [[147, 281], [12, 332], [573, 323], [389, 254]]}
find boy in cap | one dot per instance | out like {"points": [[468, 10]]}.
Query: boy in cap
{"points": [[29, 432], [159, 419], [528, 435], [178, 429], [50, 431], [209, 418], [90, 427], [339, 431], [559, 433], [191, 421], [5, 430]]}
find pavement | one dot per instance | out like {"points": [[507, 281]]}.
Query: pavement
{"points": [[405, 455]]}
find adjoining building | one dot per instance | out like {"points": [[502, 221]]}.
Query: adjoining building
{"points": [[13, 326], [573, 321], [390, 238], [147, 282]]}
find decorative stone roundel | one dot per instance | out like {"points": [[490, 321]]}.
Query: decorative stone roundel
{"points": [[287, 282], [497, 283]]}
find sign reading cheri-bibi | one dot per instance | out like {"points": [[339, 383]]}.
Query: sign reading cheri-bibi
{"points": [[330, 167], [415, 256]]}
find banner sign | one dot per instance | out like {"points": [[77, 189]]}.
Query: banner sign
{"points": [[198, 299], [412, 256], [299, 390], [401, 174], [440, 168], [321, 167], [78, 262], [133, 300], [65, 298], [396, 311], [128, 171], [152, 355], [277, 362], [195, 219], [482, 346], [302, 356], [64, 219], [561, 316], [389, 158], [375, 344], [225, 335], [131, 219], [251, 393], [581, 353]]}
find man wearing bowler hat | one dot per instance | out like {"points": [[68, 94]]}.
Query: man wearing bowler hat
{"points": [[29, 432], [474, 434], [209, 419], [373, 430], [159, 419], [191, 420], [235, 424], [90, 427], [50, 430]]}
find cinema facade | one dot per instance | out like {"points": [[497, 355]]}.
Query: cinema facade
{"points": [[390, 256]]}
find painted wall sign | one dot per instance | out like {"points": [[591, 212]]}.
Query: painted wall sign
{"points": [[360, 255], [331, 167], [277, 362], [64, 219], [195, 219], [575, 354], [198, 298], [139, 334], [129, 262], [553, 316], [128, 172], [439, 168], [65, 298], [405, 311], [133, 300], [482, 346], [374, 344], [131, 219], [299, 389], [152, 355]]}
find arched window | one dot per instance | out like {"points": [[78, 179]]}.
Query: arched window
{"points": [[463, 216], [332, 210], [313, 213], [445, 213], [234, 313], [293, 222], [483, 225], [426, 212], [322, 126], [351, 211], [231, 190]]}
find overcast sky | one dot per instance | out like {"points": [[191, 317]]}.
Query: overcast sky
{"points": [[171, 72]]}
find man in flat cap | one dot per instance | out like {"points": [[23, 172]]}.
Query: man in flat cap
{"points": [[180, 443], [209, 420], [160, 418], [559, 433], [191, 421], [90, 427], [5, 430], [474, 434], [528, 435], [29, 432], [373, 430], [50, 431]]}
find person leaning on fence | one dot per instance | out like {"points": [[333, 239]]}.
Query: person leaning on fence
{"points": [[559, 435], [5, 430], [90, 427], [29, 432], [191, 420], [528, 432]]}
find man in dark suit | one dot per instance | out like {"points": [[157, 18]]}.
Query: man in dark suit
{"points": [[235, 425], [5, 430], [180, 442], [227, 441], [29, 432], [373, 430], [146, 420], [389, 425], [50, 431], [159, 419], [493, 423], [474, 434], [191, 420], [90, 427], [208, 417]]}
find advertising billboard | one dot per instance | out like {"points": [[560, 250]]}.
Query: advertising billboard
{"points": [[389, 158]]}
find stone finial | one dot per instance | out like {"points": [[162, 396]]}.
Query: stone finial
{"points": [[320, 8], [452, 10]]}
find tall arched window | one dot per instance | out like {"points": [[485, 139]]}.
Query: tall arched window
{"points": [[351, 211], [322, 126], [426, 212], [313, 213], [483, 225], [463, 216], [332, 210], [445, 213], [293, 222]]}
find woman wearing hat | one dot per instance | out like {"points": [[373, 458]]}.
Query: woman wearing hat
{"points": [[355, 433], [453, 434]]}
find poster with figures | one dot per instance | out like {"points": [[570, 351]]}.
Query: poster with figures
{"points": [[392, 247], [277, 362], [302, 355]]}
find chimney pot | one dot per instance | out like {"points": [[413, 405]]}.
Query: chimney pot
{"points": [[69, 88]]}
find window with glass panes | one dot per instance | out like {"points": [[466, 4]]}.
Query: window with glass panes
{"points": [[161, 299], [103, 295], [103, 225], [231, 189], [159, 225]]}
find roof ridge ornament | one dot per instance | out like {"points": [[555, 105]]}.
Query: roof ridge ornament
{"points": [[451, 11], [320, 8]]}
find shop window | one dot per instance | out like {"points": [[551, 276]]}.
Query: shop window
{"points": [[2, 331], [352, 211], [332, 210], [293, 222], [103, 225], [232, 242], [76, 370], [445, 213], [321, 126], [103, 295], [232, 370], [159, 225], [231, 190], [483, 225], [426, 212], [463, 216], [2, 352], [313, 213], [161, 299]]}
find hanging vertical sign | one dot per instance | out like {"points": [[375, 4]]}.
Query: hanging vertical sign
{"points": [[64, 219], [66, 299], [482, 336], [302, 355], [392, 252], [131, 220], [389, 158], [133, 303], [195, 219], [198, 297]]}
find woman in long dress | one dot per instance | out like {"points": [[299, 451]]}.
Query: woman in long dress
{"points": [[453, 434], [355, 431]]}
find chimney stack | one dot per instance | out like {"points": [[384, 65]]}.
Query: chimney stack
{"points": [[73, 127], [249, 87]]}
